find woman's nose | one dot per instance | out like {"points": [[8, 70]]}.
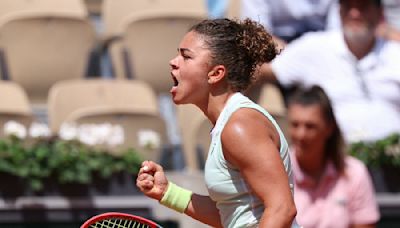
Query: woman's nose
{"points": [[173, 63]]}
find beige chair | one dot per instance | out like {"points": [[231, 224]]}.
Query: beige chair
{"points": [[71, 8], [195, 130], [10, 9], [113, 14], [40, 50], [14, 105], [150, 32], [94, 7], [130, 104], [234, 9]]}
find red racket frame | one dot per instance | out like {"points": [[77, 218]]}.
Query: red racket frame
{"points": [[119, 215]]}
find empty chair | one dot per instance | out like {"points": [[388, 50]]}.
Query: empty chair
{"points": [[14, 105], [94, 6], [115, 13], [150, 33], [131, 105], [195, 130], [12, 8], [40, 50], [234, 8], [147, 56]]}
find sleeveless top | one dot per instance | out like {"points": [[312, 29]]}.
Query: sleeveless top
{"points": [[238, 206]]}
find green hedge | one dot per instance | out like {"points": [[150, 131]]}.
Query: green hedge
{"points": [[75, 162], [68, 161], [385, 152]]}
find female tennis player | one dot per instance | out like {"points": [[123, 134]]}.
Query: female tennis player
{"points": [[247, 171]]}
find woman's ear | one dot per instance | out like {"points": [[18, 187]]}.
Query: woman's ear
{"points": [[216, 74]]}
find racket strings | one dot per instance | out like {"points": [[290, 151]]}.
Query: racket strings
{"points": [[118, 223]]}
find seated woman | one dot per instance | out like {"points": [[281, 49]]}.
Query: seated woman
{"points": [[331, 188]]}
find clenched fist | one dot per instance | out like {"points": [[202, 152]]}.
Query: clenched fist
{"points": [[151, 180]]}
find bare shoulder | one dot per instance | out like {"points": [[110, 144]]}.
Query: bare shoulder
{"points": [[248, 129], [250, 122]]}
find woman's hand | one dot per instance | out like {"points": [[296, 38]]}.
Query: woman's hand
{"points": [[151, 180]]}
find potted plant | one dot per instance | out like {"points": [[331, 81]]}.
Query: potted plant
{"points": [[60, 163], [383, 160]]}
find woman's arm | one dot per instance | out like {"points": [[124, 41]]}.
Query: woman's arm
{"points": [[250, 142], [153, 183], [203, 209]]}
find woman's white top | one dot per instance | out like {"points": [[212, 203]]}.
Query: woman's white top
{"points": [[237, 204]]}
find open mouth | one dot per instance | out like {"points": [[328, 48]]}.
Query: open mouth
{"points": [[175, 80]]}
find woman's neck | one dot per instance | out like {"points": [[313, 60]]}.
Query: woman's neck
{"points": [[313, 167], [215, 105]]}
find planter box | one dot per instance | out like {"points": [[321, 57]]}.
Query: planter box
{"points": [[118, 184], [386, 178]]}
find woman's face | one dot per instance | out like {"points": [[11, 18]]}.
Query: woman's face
{"points": [[308, 130], [189, 71]]}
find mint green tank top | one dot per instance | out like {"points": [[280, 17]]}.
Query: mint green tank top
{"points": [[237, 205]]}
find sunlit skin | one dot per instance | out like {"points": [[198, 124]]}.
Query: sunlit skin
{"points": [[190, 68], [309, 131], [196, 79], [204, 85]]}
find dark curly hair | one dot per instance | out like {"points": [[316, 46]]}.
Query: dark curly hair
{"points": [[240, 46]]}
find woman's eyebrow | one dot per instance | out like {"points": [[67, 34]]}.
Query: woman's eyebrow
{"points": [[183, 50]]}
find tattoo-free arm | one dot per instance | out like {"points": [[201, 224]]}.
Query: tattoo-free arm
{"points": [[203, 209], [250, 142]]}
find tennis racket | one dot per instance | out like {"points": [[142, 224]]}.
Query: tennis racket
{"points": [[118, 220]]}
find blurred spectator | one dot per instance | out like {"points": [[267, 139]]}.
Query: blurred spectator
{"points": [[331, 189], [388, 29], [358, 70], [286, 19]]}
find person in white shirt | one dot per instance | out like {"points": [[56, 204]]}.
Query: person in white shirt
{"points": [[287, 19], [359, 71], [389, 27]]}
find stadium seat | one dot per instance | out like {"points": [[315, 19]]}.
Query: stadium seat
{"points": [[149, 32], [43, 41], [12, 8], [130, 104], [233, 10], [14, 106]]}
